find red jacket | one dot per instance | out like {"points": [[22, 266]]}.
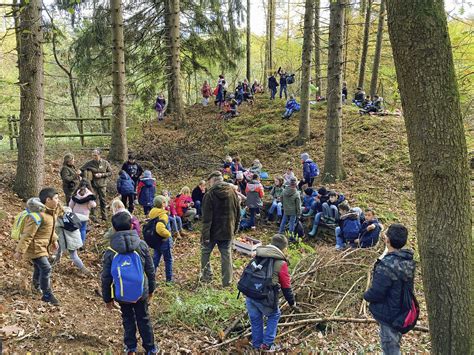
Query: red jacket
{"points": [[182, 203]]}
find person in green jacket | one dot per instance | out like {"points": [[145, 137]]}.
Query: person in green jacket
{"points": [[291, 201], [70, 176]]}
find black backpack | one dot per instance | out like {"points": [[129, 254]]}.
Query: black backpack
{"points": [[408, 317], [149, 233], [71, 221], [256, 282]]}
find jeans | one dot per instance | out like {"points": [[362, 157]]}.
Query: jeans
{"points": [[253, 212], [189, 214], [147, 209], [390, 340], [317, 220], [176, 223], [275, 205], [74, 257], [83, 231], [339, 239], [283, 89], [256, 314], [131, 200], [225, 248], [133, 315], [42, 275], [165, 251], [288, 113], [285, 219], [197, 204], [273, 92]]}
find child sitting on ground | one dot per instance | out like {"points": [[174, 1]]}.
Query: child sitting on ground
{"points": [[146, 191], [288, 175], [237, 166], [197, 196], [185, 207], [308, 199], [349, 226], [127, 246], [82, 203], [166, 245], [276, 192], [291, 106], [369, 231], [175, 224]]}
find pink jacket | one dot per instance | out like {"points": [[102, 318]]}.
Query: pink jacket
{"points": [[83, 208]]}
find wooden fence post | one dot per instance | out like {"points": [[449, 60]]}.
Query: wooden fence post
{"points": [[81, 125], [10, 132], [16, 130]]}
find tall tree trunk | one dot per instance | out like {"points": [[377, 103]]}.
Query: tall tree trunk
{"points": [[104, 124], [249, 37], [30, 167], [378, 50], [304, 129], [438, 153], [365, 45], [360, 37], [317, 48], [175, 100], [118, 143], [272, 33], [345, 59], [270, 38], [333, 168]]}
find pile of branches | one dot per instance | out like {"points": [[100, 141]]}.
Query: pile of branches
{"points": [[328, 289]]}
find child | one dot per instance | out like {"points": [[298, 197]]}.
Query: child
{"points": [[241, 182], [146, 191], [329, 212], [160, 212], [126, 242], [276, 192], [394, 272], [291, 201], [256, 167], [133, 169], [160, 106], [370, 230], [349, 226], [37, 241], [117, 206], [310, 169], [237, 166], [126, 188], [291, 106], [82, 203], [263, 339], [197, 196], [254, 192], [308, 199], [184, 207], [175, 222], [288, 175]]}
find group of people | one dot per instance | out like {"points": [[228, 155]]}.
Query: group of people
{"points": [[228, 202], [368, 105]]}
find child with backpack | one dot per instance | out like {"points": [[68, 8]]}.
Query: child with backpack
{"points": [[369, 231], [349, 226], [38, 240], [276, 192], [269, 268], [165, 243], [391, 298], [291, 201], [160, 107], [126, 188], [254, 192], [82, 203], [310, 169], [146, 191], [128, 277]]}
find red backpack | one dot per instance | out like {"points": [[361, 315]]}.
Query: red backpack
{"points": [[408, 317]]}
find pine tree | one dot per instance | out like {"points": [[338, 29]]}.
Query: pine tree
{"points": [[317, 48]]}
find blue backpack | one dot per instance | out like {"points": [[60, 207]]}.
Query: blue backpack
{"points": [[351, 229], [313, 169], [129, 278]]}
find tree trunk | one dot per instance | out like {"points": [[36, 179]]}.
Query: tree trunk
{"points": [[270, 38], [345, 59], [249, 37], [30, 167], [304, 129], [365, 45], [378, 50], [104, 124], [118, 143], [317, 48], [333, 168], [438, 153], [360, 37], [175, 100]]}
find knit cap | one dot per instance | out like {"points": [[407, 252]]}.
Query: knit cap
{"points": [[304, 156], [147, 174], [159, 201], [280, 241]]}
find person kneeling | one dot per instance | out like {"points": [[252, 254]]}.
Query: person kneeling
{"points": [[291, 106]]}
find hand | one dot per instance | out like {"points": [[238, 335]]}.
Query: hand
{"points": [[18, 256], [371, 227], [357, 241], [55, 247], [110, 305]]}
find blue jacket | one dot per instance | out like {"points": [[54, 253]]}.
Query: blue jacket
{"points": [[389, 275], [125, 184], [307, 169], [147, 188], [292, 105], [272, 82], [368, 239], [308, 201]]}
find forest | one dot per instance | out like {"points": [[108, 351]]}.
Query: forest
{"points": [[341, 132]]}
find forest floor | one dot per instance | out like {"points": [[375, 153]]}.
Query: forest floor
{"points": [[192, 317]]}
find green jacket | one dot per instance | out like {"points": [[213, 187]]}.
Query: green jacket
{"points": [[277, 192], [220, 213], [70, 178], [102, 166], [291, 201]]}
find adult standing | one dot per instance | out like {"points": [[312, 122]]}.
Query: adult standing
{"points": [[283, 82], [70, 176], [206, 93], [220, 221], [97, 171], [272, 85]]}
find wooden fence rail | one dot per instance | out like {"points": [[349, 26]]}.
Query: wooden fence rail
{"points": [[14, 132]]}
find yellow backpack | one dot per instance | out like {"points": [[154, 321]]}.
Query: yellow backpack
{"points": [[19, 222]]}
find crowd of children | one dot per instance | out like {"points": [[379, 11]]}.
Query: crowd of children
{"points": [[128, 275]]}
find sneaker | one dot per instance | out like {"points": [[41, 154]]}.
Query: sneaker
{"points": [[269, 348], [339, 247], [85, 271], [50, 299], [253, 228], [36, 289]]}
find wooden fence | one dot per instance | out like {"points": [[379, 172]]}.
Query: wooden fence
{"points": [[14, 132]]}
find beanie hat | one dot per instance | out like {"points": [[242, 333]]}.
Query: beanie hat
{"points": [[147, 174], [96, 151], [293, 182], [68, 157], [322, 191], [309, 191], [214, 174], [280, 241], [239, 175], [304, 156], [159, 201]]}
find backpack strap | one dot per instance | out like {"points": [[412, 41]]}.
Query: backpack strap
{"points": [[115, 252], [36, 217]]}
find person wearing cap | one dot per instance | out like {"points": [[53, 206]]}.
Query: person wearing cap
{"points": [[310, 170], [133, 169], [291, 201], [241, 182], [146, 191], [70, 176], [220, 221], [99, 170], [263, 339]]}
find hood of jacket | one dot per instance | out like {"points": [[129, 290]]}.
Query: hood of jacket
{"points": [[34, 205], [159, 213], [399, 264], [290, 191], [87, 193], [221, 190], [125, 241], [253, 185], [270, 251], [124, 176], [148, 182], [350, 215]]}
